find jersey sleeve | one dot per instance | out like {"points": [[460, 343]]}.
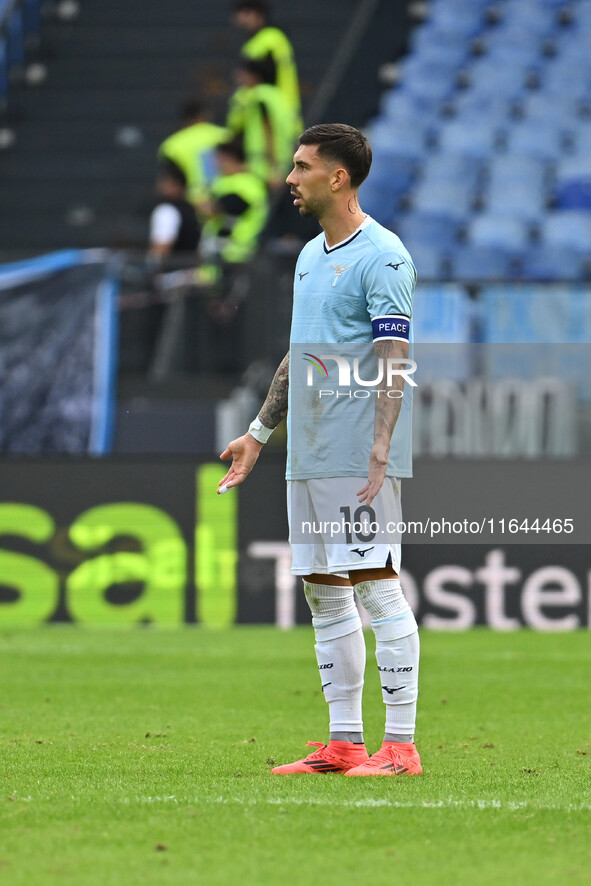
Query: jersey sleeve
{"points": [[389, 283]]}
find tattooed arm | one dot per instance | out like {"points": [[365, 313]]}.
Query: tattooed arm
{"points": [[275, 406], [387, 410], [245, 450]]}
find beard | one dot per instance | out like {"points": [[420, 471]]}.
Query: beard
{"points": [[312, 209]]}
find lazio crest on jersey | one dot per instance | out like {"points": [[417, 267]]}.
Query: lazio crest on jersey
{"points": [[345, 298]]}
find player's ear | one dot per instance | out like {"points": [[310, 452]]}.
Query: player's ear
{"points": [[340, 177]]}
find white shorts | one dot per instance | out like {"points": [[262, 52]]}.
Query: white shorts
{"points": [[331, 532]]}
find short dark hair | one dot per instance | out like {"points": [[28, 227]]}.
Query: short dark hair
{"points": [[191, 109], [233, 148], [252, 6], [168, 169], [345, 144]]}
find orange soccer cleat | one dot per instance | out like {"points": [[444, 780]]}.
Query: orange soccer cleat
{"points": [[337, 756], [391, 759]]}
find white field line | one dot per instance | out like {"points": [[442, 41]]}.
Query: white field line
{"points": [[366, 802]]}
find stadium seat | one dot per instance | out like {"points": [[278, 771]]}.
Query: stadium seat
{"points": [[449, 53], [537, 139], [396, 138], [508, 77], [544, 262], [451, 167], [473, 263], [582, 139], [540, 105], [427, 35], [400, 106], [498, 232], [390, 177], [431, 82], [518, 199], [435, 63], [428, 229], [573, 183], [570, 229], [565, 77], [450, 199], [531, 17], [472, 136], [429, 260], [495, 109], [466, 19], [506, 170]]}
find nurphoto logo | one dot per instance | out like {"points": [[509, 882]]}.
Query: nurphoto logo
{"points": [[388, 369]]}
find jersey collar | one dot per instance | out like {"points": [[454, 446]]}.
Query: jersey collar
{"points": [[328, 249]]}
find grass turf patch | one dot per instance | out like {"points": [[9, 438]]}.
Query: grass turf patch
{"points": [[144, 756]]}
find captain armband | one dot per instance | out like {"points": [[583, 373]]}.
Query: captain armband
{"points": [[393, 328]]}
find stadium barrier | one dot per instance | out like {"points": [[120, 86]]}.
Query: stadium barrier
{"points": [[148, 541]]}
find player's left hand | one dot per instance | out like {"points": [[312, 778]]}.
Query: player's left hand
{"points": [[378, 464]]}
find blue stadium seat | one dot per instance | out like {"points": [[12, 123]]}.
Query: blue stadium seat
{"points": [[506, 170], [427, 35], [434, 63], [573, 183], [450, 167], [544, 262], [506, 79], [545, 140], [480, 263], [531, 17], [451, 54], [574, 194], [490, 106], [402, 107], [582, 139], [466, 19], [450, 199], [498, 232], [427, 229], [519, 199], [431, 82], [564, 76], [541, 105], [472, 136], [429, 260], [390, 177], [396, 138], [570, 229]]}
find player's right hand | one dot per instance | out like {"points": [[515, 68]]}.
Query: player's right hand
{"points": [[244, 452]]}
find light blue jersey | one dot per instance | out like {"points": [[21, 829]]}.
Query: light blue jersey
{"points": [[345, 298]]}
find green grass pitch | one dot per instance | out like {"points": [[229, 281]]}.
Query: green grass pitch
{"points": [[143, 757]]}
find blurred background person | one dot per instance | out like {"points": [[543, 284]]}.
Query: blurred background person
{"points": [[240, 207], [270, 45], [174, 228], [259, 114], [191, 149]]}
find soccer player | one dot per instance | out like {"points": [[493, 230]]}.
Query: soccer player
{"points": [[353, 291]]}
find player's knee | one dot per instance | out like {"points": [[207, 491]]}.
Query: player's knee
{"points": [[334, 613]]}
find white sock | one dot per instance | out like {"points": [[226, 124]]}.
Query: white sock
{"points": [[397, 651], [340, 651]]}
